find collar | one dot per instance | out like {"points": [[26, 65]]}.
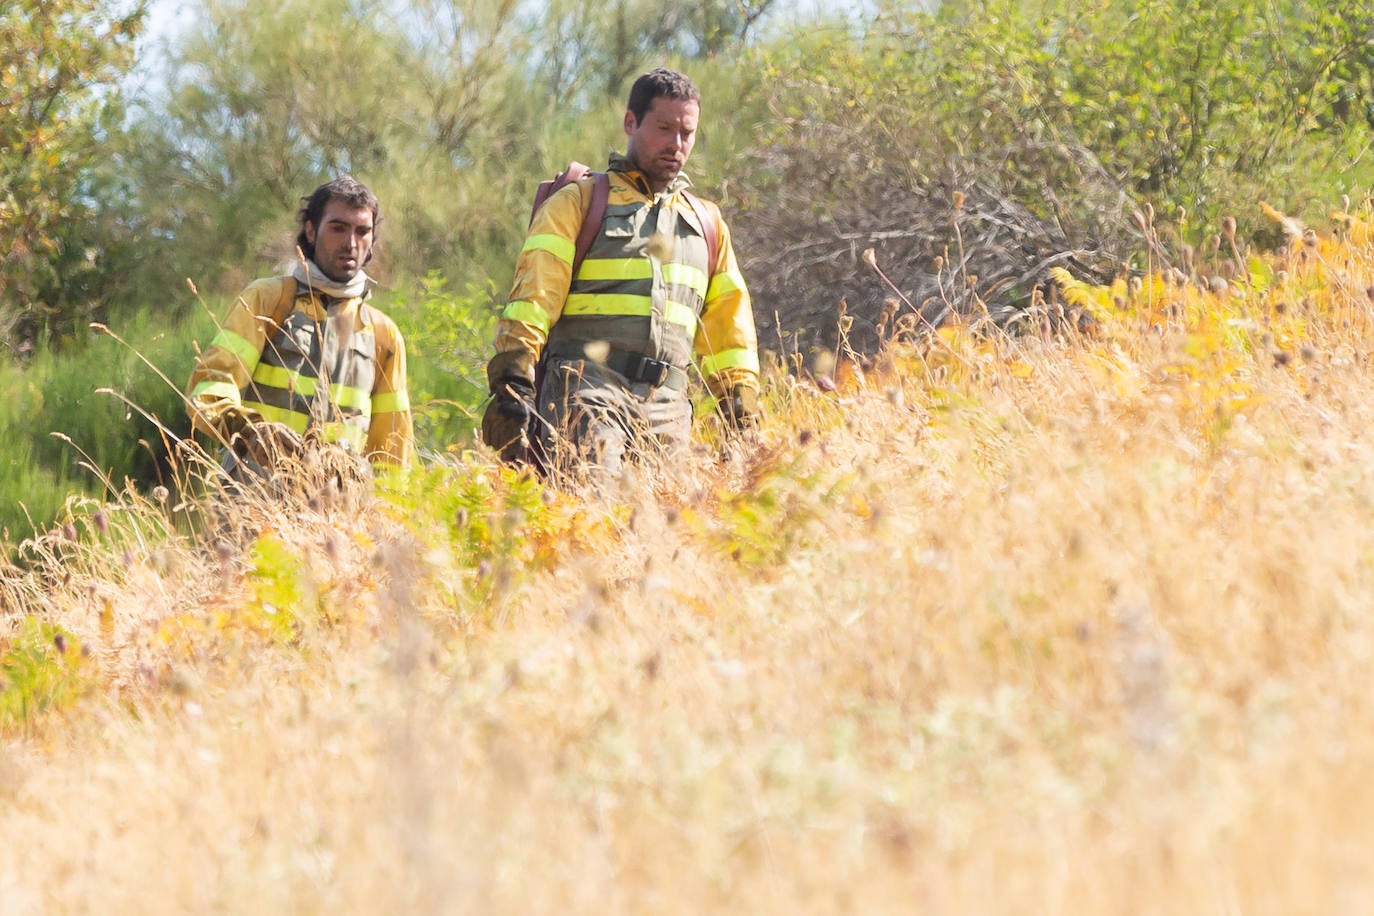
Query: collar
{"points": [[310, 277], [620, 163]]}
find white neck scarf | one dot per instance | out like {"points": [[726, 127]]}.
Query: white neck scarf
{"points": [[314, 279]]}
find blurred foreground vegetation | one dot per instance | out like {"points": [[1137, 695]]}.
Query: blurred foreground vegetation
{"points": [[1064, 621]]}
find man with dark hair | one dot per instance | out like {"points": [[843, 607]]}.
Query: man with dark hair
{"points": [[305, 353], [617, 331]]}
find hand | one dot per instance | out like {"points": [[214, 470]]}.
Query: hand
{"points": [[266, 443], [740, 408], [507, 417]]}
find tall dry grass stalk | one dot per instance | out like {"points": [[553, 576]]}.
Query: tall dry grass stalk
{"points": [[1047, 628]]}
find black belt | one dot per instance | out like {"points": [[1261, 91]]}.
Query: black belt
{"points": [[634, 366]]}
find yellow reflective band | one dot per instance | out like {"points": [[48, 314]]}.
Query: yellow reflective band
{"points": [[607, 304], [284, 379], [390, 402], [739, 358], [628, 306], [356, 398], [344, 434], [297, 421], [677, 313], [215, 389], [685, 275], [527, 312], [616, 269], [555, 245], [240, 347], [721, 284]]}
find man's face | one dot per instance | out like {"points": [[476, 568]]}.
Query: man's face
{"points": [[661, 142], [343, 240]]}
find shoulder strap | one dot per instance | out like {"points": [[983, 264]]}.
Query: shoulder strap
{"points": [[286, 302], [591, 221], [709, 230], [594, 212]]}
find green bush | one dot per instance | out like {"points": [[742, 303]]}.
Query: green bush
{"points": [[448, 338], [91, 415]]}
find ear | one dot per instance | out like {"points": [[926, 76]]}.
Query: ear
{"points": [[629, 122], [310, 232]]}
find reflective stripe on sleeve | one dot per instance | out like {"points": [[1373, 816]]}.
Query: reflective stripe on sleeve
{"points": [[226, 390], [556, 245], [390, 402], [526, 312], [738, 358], [723, 283], [240, 347]]}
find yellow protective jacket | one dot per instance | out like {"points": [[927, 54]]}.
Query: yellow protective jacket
{"points": [[644, 285], [337, 366]]}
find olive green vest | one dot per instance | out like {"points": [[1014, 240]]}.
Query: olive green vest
{"points": [[642, 285], [317, 373]]}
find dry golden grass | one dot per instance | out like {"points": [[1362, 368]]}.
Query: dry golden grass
{"points": [[1069, 626]]}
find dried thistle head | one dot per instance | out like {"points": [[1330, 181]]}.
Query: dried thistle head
{"points": [[869, 258], [660, 246], [958, 200], [1228, 228]]}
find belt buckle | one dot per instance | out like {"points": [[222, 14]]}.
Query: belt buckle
{"points": [[653, 372], [662, 368]]}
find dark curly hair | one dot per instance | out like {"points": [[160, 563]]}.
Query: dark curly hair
{"points": [[347, 189], [660, 83]]}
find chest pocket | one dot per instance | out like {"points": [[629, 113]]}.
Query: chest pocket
{"points": [[357, 365], [619, 227], [295, 346]]}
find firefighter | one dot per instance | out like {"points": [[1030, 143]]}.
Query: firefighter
{"points": [[617, 339], [306, 355]]}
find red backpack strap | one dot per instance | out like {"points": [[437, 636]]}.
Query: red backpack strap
{"points": [[594, 213], [591, 222], [574, 172], [709, 230]]}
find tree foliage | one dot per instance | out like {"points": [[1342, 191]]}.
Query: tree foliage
{"points": [[60, 62], [437, 104], [602, 47], [1053, 122]]}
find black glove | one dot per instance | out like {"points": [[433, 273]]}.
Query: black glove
{"points": [[266, 443], [507, 416], [740, 408]]}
